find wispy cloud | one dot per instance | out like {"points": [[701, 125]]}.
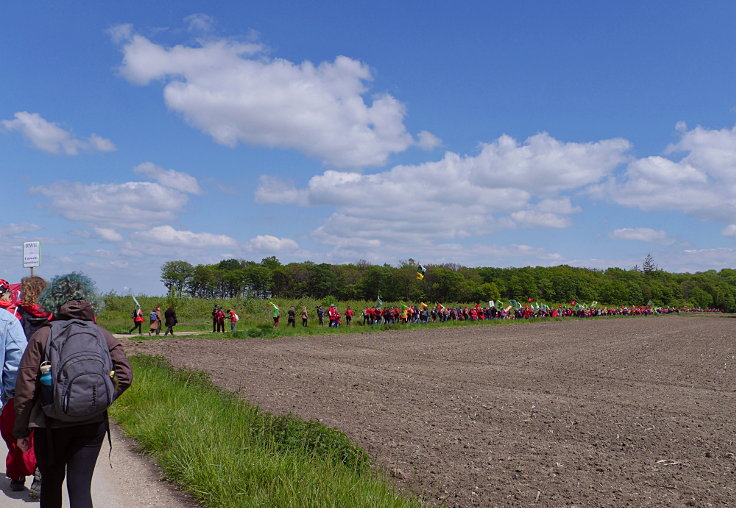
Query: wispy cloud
{"points": [[657, 236], [51, 138]]}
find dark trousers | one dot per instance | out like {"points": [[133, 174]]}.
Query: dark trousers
{"points": [[72, 451], [137, 324], [169, 330]]}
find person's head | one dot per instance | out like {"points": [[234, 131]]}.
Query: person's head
{"points": [[4, 290], [31, 288], [171, 307], [65, 288]]}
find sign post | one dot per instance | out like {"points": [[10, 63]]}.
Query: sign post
{"points": [[31, 255]]}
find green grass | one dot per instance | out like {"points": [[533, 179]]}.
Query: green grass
{"points": [[228, 453]]}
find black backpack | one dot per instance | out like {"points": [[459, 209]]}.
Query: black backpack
{"points": [[82, 371]]}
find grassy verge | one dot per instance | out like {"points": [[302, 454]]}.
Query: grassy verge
{"points": [[230, 454]]}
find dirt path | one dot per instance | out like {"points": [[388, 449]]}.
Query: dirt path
{"points": [[609, 412], [133, 482]]}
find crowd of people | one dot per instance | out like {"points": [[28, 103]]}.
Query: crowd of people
{"points": [[156, 320], [36, 322], [423, 313], [333, 316]]}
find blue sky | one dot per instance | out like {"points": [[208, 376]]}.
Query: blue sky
{"points": [[479, 133]]}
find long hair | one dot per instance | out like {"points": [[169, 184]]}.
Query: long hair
{"points": [[72, 286], [31, 288]]}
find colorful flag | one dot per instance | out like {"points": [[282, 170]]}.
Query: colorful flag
{"points": [[420, 272]]}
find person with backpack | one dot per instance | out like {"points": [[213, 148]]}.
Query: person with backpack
{"points": [[137, 320], [170, 317], [67, 406], [153, 322]]}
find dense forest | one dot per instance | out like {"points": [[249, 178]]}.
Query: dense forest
{"points": [[233, 278]]}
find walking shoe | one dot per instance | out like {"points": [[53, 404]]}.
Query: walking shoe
{"points": [[34, 493], [18, 485]]}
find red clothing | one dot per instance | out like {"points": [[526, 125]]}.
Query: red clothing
{"points": [[10, 307], [18, 464]]}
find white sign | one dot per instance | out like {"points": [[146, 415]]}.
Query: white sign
{"points": [[31, 254]]}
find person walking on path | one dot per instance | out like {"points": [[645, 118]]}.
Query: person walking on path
{"points": [[291, 317], [64, 448], [349, 315], [159, 319], [19, 463], [320, 315], [215, 310], [305, 317], [233, 319], [220, 320], [153, 322], [137, 320], [32, 317], [170, 316], [275, 313]]}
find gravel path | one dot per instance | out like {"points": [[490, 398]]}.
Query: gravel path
{"points": [[133, 482]]}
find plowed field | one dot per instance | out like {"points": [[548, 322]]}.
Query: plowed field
{"points": [[605, 412]]}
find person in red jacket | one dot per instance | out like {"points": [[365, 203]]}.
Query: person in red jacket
{"points": [[348, 315], [6, 298]]}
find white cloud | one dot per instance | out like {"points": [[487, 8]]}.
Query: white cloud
{"points": [[273, 190], [729, 230], [271, 244], [699, 260], [427, 140], [169, 177], [108, 234], [13, 229], [236, 94], [51, 138], [130, 205], [643, 235], [701, 184], [200, 23], [168, 236], [507, 185]]}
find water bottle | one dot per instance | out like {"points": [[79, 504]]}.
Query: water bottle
{"points": [[47, 382]]}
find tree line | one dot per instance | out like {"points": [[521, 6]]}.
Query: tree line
{"points": [[232, 278]]}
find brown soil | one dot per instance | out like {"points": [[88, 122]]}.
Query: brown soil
{"points": [[607, 412]]}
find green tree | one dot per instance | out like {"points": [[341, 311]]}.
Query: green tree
{"points": [[176, 275]]}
